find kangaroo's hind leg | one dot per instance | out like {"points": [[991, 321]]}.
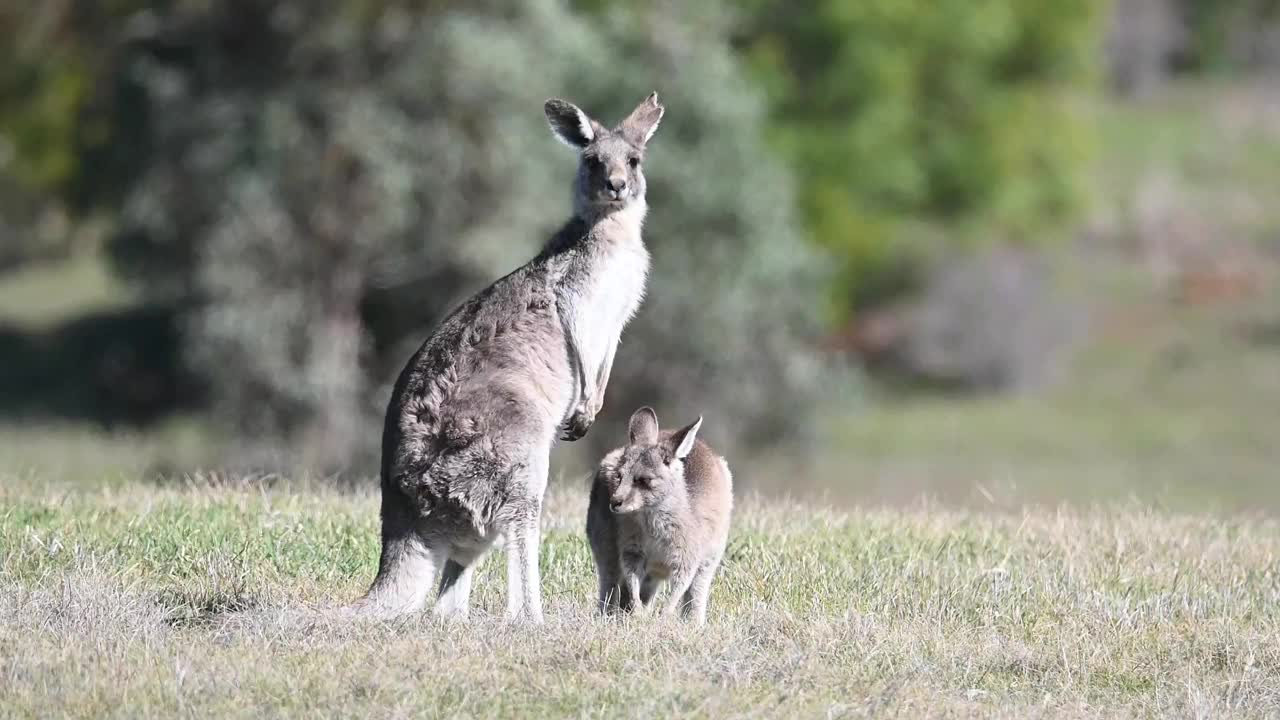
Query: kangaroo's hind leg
{"points": [[524, 596], [455, 584], [524, 592]]}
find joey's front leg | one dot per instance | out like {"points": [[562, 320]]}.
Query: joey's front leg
{"points": [[681, 581], [632, 571]]}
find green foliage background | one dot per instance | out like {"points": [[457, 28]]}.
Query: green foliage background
{"points": [[901, 114], [313, 184]]}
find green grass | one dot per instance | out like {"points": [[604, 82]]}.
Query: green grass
{"points": [[201, 600], [86, 456], [1181, 411], [1216, 144]]}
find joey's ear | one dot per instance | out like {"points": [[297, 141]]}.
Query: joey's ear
{"points": [[643, 428], [570, 125], [643, 121], [683, 439]]}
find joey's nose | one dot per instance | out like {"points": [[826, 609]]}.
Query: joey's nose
{"points": [[615, 505], [617, 184]]}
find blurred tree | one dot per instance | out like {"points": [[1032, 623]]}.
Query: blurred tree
{"points": [[326, 179], [66, 136], [44, 84], [1151, 40], [1232, 34], [1143, 39], [896, 113]]}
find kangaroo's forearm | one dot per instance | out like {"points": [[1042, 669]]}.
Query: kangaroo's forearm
{"points": [[602, 376], [585, 385], [576, 357]]}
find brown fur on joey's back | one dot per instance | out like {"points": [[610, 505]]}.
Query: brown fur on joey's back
{"points": [[473, 416], [659, 511]]}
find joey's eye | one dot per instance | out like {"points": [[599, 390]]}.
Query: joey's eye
{"points": [[642, 481], [634, 161]]}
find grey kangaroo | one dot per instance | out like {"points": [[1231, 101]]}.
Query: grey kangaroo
{"points": [[659, 511], [472, 418]]}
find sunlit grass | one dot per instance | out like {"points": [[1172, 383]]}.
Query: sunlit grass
{"points": [[211, 600], [1179, 411]]}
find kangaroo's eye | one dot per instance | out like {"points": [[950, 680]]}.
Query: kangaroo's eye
{"points": [[642, 482], [635, 161]]}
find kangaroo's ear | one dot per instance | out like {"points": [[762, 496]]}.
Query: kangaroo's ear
{"points": [[570, 125], [684, 438], [643, 121], [643, 427]]}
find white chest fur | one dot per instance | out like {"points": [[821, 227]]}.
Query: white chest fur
{"points": [[613, 291]]}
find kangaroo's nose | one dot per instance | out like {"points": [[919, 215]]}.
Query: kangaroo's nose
{"points": [[615, 505], [617, 184]]}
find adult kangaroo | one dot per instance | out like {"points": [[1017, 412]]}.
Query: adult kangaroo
{"points": [[472, 418]]}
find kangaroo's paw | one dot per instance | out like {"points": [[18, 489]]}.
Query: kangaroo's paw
{"points": [[578, 424]]}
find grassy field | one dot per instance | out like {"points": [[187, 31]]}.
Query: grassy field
{"points": [[1181, 412], [142, 600]]}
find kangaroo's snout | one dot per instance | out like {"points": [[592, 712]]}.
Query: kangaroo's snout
{"points": [[615, 505], [617, 185]]}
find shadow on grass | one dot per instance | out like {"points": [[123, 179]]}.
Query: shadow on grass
{"points": [[203, 608]]}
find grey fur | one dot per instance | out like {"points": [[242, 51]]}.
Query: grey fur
{"points": [[659, 510], [472, 418]]}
